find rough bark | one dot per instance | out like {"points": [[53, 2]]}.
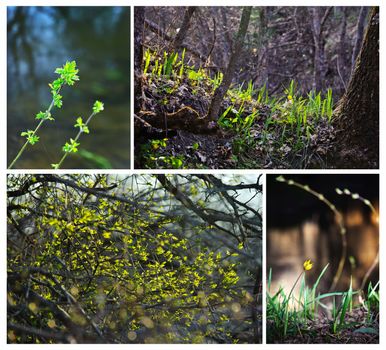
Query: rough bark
{"points": [[357, 115], [139, 15], [179, 39], [228, 75]]}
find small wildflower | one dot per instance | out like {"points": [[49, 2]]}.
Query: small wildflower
{"points": [[307, 265]]}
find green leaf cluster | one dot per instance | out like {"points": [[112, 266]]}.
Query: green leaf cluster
{"points": [[68, 73], [44, 116], [30, 136], [82, 127], [72, 146], [98, 107]]}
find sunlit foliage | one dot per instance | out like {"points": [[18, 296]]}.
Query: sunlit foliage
{"points": [[121, 264]]}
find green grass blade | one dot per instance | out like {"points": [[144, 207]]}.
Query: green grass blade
{"points": [[346, 302], [269, 279]]}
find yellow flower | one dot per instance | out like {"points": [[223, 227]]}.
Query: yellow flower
{"points": [[307, 265]]}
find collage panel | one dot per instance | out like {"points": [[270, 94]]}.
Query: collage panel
{"points": [[134, 258], [68, 87], [150, 255], [256, 87], [322, 259]]}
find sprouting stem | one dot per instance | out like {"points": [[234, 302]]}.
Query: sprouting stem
{"points": [[34, 133], [57, 166]]}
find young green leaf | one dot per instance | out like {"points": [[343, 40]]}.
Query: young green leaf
{"points": [[44, 115], [31, 137], [83, 127], [68, 73], [71, 147], [98, 107], [57, 99], [56, 84]]}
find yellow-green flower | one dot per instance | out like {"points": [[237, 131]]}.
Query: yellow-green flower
{"points": [[307, 265]]}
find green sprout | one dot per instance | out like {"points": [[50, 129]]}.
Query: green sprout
{"points": [[72, 146], [31, 137], [68, 76]]}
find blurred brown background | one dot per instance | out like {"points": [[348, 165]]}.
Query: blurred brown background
{"points": [[300, 227]]}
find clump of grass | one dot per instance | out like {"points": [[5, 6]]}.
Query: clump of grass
{"points": [[288, 127], [161, 66], [287, 311], [290, 315], [282, 131], [155, 159]]}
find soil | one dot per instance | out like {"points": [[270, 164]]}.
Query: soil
{"points": [[178, 111], [357, 331]]}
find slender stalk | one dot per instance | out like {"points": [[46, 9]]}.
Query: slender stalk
{"points": [[34, 133], [293, 287], [339, 218], [287, 303], [75, 140]]}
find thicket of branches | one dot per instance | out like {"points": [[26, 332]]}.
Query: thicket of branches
{"points": [[142, 259], [315, 46]]}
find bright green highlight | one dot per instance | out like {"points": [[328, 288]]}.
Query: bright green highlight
{"points": [[68, 76], [98, 107], [83, 127], [68, 73], [31, 137], [72, 146]]}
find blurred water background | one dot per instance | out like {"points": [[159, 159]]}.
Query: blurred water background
{"points": [[41, 39]]}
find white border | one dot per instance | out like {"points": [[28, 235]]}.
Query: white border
{"points": [[3, 171]]}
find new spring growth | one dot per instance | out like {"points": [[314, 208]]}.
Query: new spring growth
{"points": [[72, 145], [356, 196], [68, 75], [307, 265]]}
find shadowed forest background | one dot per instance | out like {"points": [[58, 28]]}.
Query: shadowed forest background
{"points": [[134, 259], [260, 87]]}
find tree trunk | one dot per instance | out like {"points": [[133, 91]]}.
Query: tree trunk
{"points": [[359, 35], [341, 61], [317, 23], [228, 76], [179, 39], [357, 115], [139, 21]]}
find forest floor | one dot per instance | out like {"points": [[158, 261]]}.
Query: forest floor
{"points": [[357, 330], [253, 130]]}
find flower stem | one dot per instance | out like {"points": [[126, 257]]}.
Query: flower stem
{"points": [[293, 287], [75, 140], [34, 133]]}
